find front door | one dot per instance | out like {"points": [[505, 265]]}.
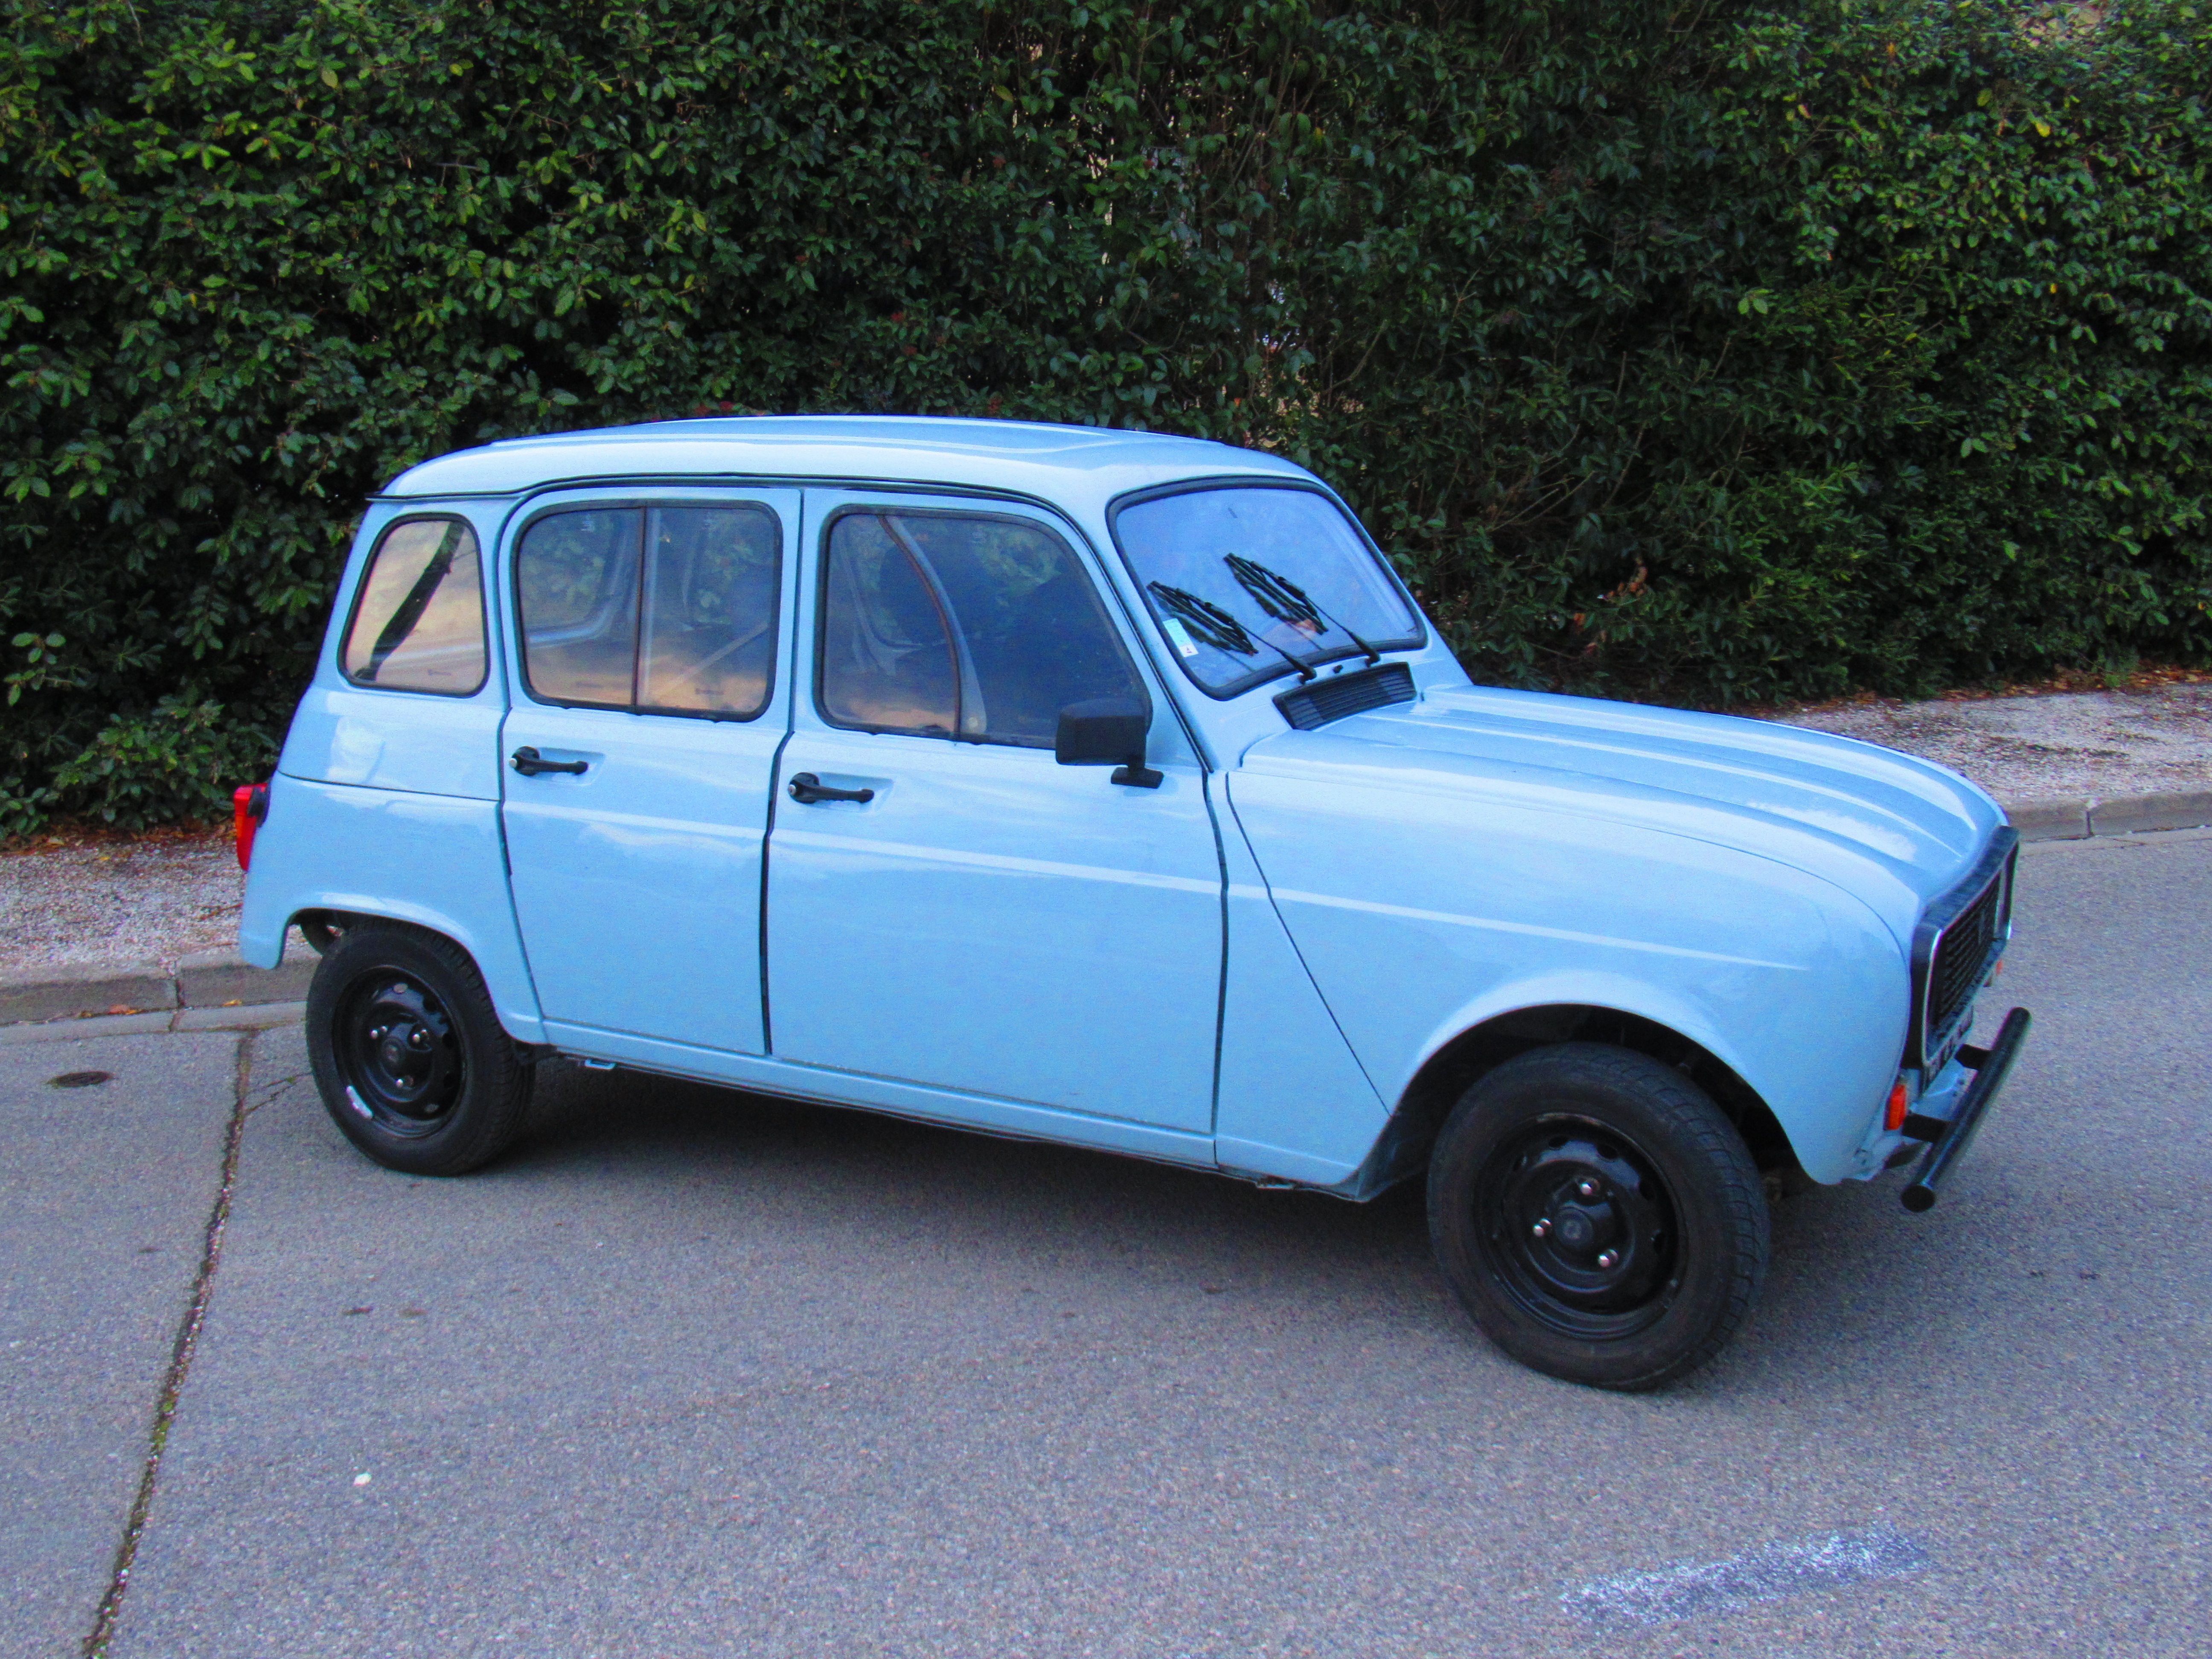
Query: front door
{"points": [[638, 755], [985, 919]]}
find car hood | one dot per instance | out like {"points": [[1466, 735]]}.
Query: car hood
{"points": [[1893, 829]]}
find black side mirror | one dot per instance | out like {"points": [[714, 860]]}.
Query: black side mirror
{"points": [[1107, 731]]}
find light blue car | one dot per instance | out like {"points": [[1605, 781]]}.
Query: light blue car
{"points": [[1109, 789]]}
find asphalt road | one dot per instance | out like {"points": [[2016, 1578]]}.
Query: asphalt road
{"points": [[695, 1373]]}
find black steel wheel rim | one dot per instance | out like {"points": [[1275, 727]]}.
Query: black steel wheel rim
{"points": [[1576, 1225], [399, 1055]]}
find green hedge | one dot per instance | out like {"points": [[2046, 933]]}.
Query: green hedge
{"points": [[1709, 350]]}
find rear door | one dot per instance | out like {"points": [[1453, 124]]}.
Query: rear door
{"points": [[985, 919], [638, 754]]}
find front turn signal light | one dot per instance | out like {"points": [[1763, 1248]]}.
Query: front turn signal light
{"points": [[1892, 1117]]}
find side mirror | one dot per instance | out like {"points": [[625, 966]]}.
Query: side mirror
{"points": [[1107, 731]]}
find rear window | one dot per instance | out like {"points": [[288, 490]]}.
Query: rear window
{"points": [[418, 621]]}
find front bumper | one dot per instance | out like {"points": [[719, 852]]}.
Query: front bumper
{"points": [[1948, 1137]]}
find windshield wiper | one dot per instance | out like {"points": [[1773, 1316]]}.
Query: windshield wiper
{"points": [[1215, 627], [1285, 601]]}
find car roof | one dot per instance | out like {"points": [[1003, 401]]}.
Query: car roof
{"points": [[1089, 463]]}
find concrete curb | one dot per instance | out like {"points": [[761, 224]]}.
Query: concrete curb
{"points": [[108, 987], [2079, 818], [212, 982], [259, 1016], [218, 990]]}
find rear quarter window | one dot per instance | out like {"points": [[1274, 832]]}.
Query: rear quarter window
{"points": [[418, 619]]}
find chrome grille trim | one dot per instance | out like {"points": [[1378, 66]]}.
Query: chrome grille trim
{"points": [[1960, 938]]}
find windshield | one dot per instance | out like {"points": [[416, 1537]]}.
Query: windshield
{"points": [[1248, 582]]}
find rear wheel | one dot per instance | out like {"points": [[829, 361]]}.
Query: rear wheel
{"points": [[1599, 1217], [409, 1057]]}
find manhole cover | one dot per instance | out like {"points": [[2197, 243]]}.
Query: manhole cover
{"points": [[78, 1079]]}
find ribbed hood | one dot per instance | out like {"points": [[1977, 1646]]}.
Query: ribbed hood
{"points": [[1895, 829]]}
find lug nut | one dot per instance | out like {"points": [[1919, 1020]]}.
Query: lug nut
{"points": [[1542, 1228], [1587, 1189], [1608, 1260]]}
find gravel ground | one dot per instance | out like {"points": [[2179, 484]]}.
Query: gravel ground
{"points": [[161, 899], [121, 900], [2099, 743]]}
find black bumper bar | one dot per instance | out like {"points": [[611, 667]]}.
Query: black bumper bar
{"points": [[1989, 1067]]}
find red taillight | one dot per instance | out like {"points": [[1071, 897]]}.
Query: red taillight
{"points": [[249, 806], [1893, 1115]]}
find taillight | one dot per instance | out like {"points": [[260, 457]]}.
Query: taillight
{"points": [[1892, 1117], [249, 806]]}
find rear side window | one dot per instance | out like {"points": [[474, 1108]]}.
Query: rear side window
{"points": [[662, 610], [418, 621], [706, 638], [576, 592], [943, 624]]}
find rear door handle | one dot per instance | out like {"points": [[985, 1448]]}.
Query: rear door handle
{"points": [[530, 764], [807, 789]]}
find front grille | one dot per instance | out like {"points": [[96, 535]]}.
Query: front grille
{"points": [[1956, 944], [1323, 701], [1962, 957]]}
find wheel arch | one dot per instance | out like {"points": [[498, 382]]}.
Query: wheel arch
{"points": [[318, 924], [1458, 1064], [321, 927], [512, 996]]}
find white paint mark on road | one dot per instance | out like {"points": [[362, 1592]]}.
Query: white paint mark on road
{"points": [[1687, 1589]]}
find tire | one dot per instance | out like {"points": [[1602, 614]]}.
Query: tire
{"points": [[411, 1061], [1598, 1216]]}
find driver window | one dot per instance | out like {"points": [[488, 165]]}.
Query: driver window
{"points": [[944, 624]]}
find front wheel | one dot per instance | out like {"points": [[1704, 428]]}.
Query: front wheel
{"points": [[1598, 1216], [409, 1056]]}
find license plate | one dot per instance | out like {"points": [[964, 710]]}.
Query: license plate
{"points": [[1952, 1043]]}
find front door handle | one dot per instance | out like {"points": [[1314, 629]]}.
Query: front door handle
{"points": [[530, 764], [807, 789]]}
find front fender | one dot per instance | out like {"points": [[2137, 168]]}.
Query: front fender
{"points": [[1826, 1118], [1421, 917]]}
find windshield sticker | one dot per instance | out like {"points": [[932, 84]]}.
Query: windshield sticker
{"points": [[1179, 637]]}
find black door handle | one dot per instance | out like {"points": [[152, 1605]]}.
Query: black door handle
{"points": [[807, 789], [530, 764]]}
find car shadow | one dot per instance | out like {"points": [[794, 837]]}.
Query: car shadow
{"points": [[1015, 1190], [1855, 1288]]}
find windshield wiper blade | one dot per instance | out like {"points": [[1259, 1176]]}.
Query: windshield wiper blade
{"points": [[1285, 601], [1215, 627]]}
